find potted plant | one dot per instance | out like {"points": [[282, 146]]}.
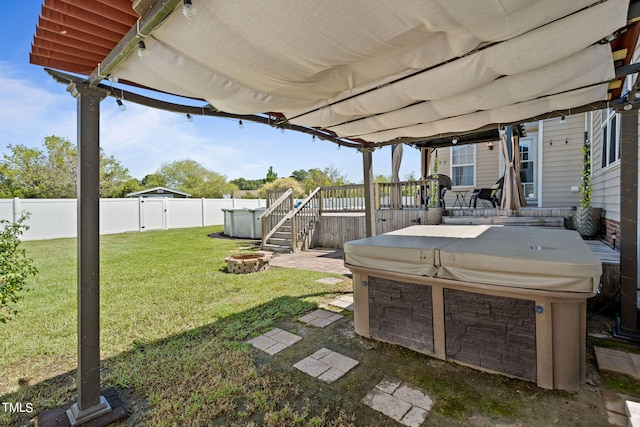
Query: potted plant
{"points": [[587, 218], [434, 211]]}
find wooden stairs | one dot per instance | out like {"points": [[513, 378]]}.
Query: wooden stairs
{"points": [[280, 241]]}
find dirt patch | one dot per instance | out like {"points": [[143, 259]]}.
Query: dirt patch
{"points": [[462, 396]]}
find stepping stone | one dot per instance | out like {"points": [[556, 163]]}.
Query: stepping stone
{"points": [[633, 412], [274, 341], [320, 318], [619, 362], [344, 302], [329, 280], [326, 365], [400, 401]]}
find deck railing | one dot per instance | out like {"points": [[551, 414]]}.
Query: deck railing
{"points": [[343, 198], [304, 217], [281, 205], [405, 194], [276, 214], [273, 195]]}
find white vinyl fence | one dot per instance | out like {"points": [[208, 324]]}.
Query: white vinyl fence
{"points": [[55, 218]]}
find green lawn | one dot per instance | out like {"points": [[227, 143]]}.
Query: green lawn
{"points": [[174, 330], [167, 306]]}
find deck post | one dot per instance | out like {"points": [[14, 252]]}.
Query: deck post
{"points": [[91, 404], [629, 222], [369, 199]]}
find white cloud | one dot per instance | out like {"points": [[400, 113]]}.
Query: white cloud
{"points": [[29, 112], [142, 138]]}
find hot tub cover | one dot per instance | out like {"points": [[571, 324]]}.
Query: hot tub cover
{"points": [[533, 258]]}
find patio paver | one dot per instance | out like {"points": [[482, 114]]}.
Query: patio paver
{"points": [[318, 259], [326, 365], [320, 318], [274, 341], [618, 362], [345, 302], [400, 401], [617, 405]]}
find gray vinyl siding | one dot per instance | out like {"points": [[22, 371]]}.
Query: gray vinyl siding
{"points": [[561, 145], [605, 181], [487, 169], [487, 165]]}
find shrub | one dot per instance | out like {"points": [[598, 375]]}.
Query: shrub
{"points": [[15, 267], [283, 183]]}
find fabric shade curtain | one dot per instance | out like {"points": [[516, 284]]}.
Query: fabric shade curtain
{"points": [[396, 160], [512, 194], [426, 155]]}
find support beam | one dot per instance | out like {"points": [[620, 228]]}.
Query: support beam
{"points": [[91, 404], [369, 198], [629, 222]]}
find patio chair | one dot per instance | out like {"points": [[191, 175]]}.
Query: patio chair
{"points": [[493, 194], [444, 184]]}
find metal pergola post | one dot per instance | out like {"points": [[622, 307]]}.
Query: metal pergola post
{"points": [[91, 404], [369, 199], [629, 223]]}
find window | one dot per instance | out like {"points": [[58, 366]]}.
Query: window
{"points": [[463, 165], [527, 166], [610, 138]]}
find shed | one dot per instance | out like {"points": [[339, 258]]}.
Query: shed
{"points": [[160, 192]]}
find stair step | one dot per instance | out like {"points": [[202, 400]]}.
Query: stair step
{"points": [[279, 241], [282, 235], [524, 221], [276, 248]]}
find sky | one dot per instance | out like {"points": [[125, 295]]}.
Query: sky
{"points": [[33, 106]]}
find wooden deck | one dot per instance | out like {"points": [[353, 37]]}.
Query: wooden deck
{"points": [[603, 251], [610, 280]]}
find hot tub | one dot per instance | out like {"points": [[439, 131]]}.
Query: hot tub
{"points": [[510, 300]]}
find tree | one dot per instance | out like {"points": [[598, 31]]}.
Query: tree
{"points": [[51, 171], [300, 175], [130, 186], [282, 183], [381, 178], [411, 176], [153, 180], [329, 176], [114, 178], [271, 175], [248, 184], [193, 178], [15, 267]]}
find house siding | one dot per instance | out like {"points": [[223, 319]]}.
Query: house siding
{"points": [[605, 182], [561, 145], [487, 169]]}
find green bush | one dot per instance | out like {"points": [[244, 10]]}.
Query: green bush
{"points": [[15, 267]]}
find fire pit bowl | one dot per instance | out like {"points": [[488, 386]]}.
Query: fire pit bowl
{"points": [[248, 263]]}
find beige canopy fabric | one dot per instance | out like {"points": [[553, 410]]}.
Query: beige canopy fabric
{"points": [[512, 194], [378, 70]]}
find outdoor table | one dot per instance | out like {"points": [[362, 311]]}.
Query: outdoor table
{"points": [[460, 198], [509, 300]]}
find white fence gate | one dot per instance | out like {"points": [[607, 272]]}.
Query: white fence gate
{"points": [[56, 218]]}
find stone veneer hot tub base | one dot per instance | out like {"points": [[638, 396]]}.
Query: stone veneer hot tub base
{"points": [[515, 330]]}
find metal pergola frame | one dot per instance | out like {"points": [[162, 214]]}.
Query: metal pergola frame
{"points": [[90, 92]]}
